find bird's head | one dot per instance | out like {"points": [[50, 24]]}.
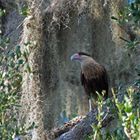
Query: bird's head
{"points": [[80, 56]]}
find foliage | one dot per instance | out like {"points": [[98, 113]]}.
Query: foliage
{"points": [[127, 110], [2, 12], [12, 65], [100, 118], [129, 14], [129, 17], [24, 10], [128, 117]]}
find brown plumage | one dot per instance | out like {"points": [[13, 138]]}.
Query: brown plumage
{"points": [[93, 75]]}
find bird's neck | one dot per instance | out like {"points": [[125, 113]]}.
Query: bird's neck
{"points": [[86, 62]]}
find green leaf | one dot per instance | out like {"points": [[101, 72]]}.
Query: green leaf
{"points": [[2, 12], [11, 54], [20, 61], [24, 10], [114, 18], [18, 52], [28, 69], [128, 109]]}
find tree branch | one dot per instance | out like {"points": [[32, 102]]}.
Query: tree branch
{"points": [[82, 127]]}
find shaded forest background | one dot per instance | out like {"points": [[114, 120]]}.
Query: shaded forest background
{"points": [[56, 29]]}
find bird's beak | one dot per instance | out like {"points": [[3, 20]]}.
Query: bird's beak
{"points": [[75, 57]]}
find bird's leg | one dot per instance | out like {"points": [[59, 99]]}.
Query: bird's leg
{"points": [[94, 104], [90, 104]]}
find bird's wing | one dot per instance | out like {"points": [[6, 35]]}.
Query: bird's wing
{"points": [[82, 78], [88, 84], [85, 84], [95, 83]]}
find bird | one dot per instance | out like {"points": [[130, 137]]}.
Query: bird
{"points": [[94, 78]]}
